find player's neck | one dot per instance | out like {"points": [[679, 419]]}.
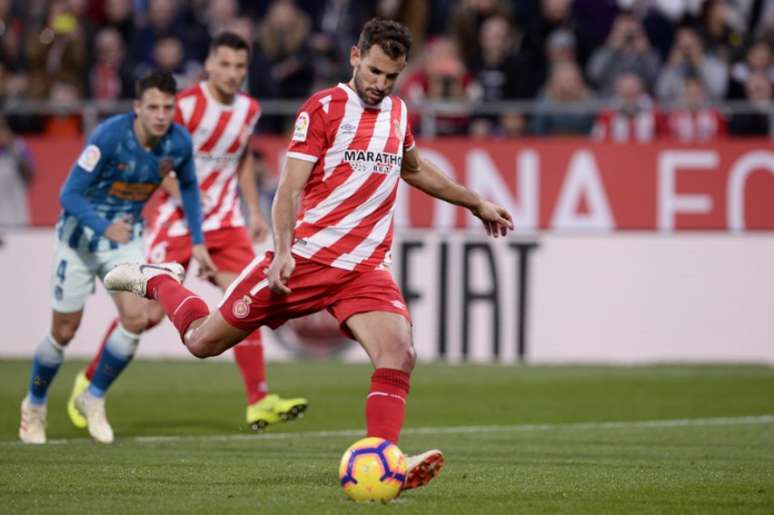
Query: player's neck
{"points": [[218, 94], [146, 140]]}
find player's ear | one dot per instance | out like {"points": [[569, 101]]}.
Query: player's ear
{"points": [[354, 56], [137, 104]]}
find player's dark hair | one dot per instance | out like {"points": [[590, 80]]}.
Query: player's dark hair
{"points": [[391, 36], [230, 40], [163, 81]]}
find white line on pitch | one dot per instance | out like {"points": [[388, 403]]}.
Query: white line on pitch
{"points": [[680, 422]]}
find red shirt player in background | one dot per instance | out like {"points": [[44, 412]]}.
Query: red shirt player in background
{"points": [[351, 145], [221, 121]]}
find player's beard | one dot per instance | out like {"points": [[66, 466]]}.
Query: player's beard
{"points": [[360, 89]]}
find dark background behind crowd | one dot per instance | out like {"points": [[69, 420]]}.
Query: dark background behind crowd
{"points": [[657, 68]]}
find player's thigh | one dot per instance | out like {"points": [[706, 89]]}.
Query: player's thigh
{"points": [[132, 311], [65, 325], [72, 279], [224, 279], [231, 249], [162, 250], [386, 337], [214, 336]]}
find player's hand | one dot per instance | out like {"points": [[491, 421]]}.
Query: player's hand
{"points": [[279, 272], [207, 268], [259, 229], [497, 221], [120, 231]]}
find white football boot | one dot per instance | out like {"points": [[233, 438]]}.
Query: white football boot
{"points": [[32, 428], [134, 277], [422, 468], [93, 410]]}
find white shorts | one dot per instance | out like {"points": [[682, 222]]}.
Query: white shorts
{"points": [[72, 280]]}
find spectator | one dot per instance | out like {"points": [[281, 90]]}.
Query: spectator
{"points": [[110, 77], [164, 19], [756, 122], [282, 37], [220, 14], [339, 28], [169, 56], [560, 48], [497, 69], [758, 59], [720, 39], [688, 58], [564, 90], [466, 21], [16, 172], [56, 51], [694, 120], [632, 116], [554, 15], [118, 15], [64, 122], [443, 76], [627, 50], [411, 13]]}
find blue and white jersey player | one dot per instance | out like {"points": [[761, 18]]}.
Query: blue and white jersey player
{"points": [[124, 161]]}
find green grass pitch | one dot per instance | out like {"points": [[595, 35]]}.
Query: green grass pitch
{"points": [[539, 444]]}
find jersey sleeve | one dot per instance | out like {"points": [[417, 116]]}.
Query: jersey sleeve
{"points": [[189, 193], [308, 141], [83, 174]]}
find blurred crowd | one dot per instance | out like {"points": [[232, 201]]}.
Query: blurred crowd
{"points": [[659, 67]]}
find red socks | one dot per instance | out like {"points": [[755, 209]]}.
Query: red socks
{"points": [[386, 403], [181, 305], [249, 357]]}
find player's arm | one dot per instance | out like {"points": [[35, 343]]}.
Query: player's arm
{"points": [[83, 174], [192, 206], [427, 177], [247, 185], [283, 211]]}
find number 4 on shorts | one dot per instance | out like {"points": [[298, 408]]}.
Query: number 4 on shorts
{"points": [[61, 269]]}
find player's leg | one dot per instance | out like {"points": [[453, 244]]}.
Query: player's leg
{"points": [[372, 308], [386, 337], [263, 408], [72, 281], [202, 333], [116, 355], [83, 378], [49, 356]]}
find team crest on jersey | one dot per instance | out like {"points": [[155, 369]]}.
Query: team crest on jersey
{"points": [[241, 308], [166, 164], [90, 158], [302, 127]]}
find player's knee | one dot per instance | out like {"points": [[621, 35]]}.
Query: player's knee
{"points": [[63, 333], [201, 347], [135, 322], [397, 349]]}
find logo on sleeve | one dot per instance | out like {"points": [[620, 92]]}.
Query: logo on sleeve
{"points": [[89, 158], [302, 127]]}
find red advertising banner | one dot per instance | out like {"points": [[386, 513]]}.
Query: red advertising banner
{"points": [[550, 184]]}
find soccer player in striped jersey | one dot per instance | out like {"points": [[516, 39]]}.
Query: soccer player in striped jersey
{"points": [[351, 145], [124, 161], [221, 120]]}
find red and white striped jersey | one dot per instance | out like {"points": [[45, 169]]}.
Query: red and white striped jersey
{"points": [[220, 135], [700, 125], [612, 125], [346, 216]]}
